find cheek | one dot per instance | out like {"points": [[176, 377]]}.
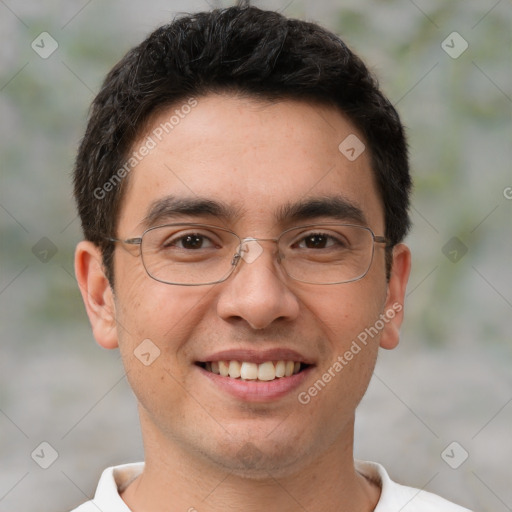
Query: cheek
{"points": [[146, 308], [345, 371], [160, 320], [155, 322], [344, 311], [163, 313]]}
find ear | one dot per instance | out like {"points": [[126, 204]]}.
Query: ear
{"points": [[394, 306], [97, 293]]}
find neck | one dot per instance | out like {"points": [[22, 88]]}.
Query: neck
{"points": [[177, 479]]}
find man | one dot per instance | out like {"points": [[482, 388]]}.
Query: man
{"points": [[243, 188]]}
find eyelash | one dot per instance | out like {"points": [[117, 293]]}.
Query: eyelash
{"points": [[175, 241]]}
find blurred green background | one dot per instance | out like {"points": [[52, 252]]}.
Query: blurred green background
{"points": [[450, 380]]}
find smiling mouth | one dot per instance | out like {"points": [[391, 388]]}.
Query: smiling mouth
{"points": [[244, 370]]}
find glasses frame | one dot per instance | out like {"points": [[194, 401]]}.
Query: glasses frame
{"points": [[377, 239]]}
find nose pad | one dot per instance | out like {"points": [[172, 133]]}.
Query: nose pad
{"points": [[250, 250]]}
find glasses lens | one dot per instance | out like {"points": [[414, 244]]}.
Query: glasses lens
{"points": [[195, 254], [188, 254], [327, 254]]}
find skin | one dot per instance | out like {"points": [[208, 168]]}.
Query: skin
{"points": [[255, 156]]}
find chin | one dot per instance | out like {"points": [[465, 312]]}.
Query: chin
{"points": [[258, 457]]}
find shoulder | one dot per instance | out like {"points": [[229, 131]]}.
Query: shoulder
{"points": [[86, 507], [113, 480], [396, 497]]}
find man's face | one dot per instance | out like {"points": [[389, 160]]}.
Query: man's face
{"points": [[257, 159]]}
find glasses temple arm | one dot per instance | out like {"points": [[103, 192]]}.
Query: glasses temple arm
{"points": [[131, 241]]}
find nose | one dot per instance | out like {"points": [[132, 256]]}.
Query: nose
{"points": [[257, 291]]}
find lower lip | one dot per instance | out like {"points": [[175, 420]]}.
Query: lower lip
{"points": [[255, 390]]}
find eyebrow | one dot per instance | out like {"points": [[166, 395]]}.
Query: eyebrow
{"points": [[336, 207], [171, 207]]}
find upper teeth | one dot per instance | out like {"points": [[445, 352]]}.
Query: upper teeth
{"points": [[268, 370]]}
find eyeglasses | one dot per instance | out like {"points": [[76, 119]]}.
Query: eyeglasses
{"points": [[201, 254]]}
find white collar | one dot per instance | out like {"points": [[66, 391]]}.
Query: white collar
{"points": [[394, 497]]}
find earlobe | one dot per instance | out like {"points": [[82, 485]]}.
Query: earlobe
{"points": [[394, 307], [97, 293]]}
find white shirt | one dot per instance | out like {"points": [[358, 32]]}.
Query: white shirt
{"points": [[394, 497]]}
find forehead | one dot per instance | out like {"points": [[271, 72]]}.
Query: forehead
{"points": [[258, 159]]}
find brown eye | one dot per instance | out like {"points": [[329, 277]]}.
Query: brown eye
{"points": [[191, 241], [316, 241]]}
